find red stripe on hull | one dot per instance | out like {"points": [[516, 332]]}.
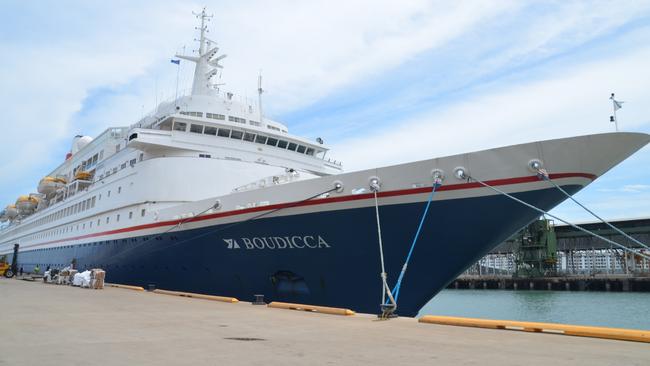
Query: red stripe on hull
{"points": [[403, 192]]}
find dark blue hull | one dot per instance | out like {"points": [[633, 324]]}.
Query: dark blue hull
{"points": [[324, 258]]}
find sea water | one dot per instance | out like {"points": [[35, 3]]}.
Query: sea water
{"points": [[608, 309]]}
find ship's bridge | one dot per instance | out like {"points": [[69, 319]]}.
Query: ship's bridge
{"points": [[222, 125]]}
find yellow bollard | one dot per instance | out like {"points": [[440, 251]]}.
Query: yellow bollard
{"points": [[313, 308], [197, 296], [566, 329]]}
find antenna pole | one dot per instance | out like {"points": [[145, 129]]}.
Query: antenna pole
{"points": [[156, 90], [259, 95], [178, 70], [614, 107]]}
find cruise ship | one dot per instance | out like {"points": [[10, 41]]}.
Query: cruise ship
{"points": [[208, 195]]}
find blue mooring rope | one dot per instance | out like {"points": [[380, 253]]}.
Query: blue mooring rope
{"points": [[395, 291]]}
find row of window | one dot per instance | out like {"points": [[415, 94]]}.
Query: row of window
{"points": [[222, 117], [131, 163], [245, 136], [81, 226], [192, 114], [71, 210], [237, 119]]}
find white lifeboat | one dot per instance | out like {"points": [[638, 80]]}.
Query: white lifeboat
{"points": [[49, 185], [26, 204], [11, 211]]}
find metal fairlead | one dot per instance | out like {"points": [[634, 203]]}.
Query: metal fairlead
{"points": [[338, 185], [438, 175], [535, 165], [375, 184], [461, 173]]}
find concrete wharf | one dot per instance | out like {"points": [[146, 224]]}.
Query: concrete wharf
{"points": [[605, 282], [50, 325]]}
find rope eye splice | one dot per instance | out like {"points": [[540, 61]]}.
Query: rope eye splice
{"points": [[388, 308]]}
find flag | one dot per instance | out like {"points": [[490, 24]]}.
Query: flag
{"points": [[617, 105], [177, 62]]}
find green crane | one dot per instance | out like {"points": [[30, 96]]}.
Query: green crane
{"points": [[535, 253]]}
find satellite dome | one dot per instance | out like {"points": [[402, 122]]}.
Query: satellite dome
{"points": [[79, 142]]}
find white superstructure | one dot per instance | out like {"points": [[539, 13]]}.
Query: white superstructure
{"points": [[206, 144]]}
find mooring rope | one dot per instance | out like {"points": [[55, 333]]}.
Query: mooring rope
{"points": [[436, 183], [542, 174], [556, 217], [385, 289]]}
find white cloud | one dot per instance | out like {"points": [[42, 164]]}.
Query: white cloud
{"points": [[628, 188], [309, 49], [617, 206], [572, 102]]}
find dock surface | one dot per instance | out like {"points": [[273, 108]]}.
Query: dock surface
{"points": [[61, 325]]}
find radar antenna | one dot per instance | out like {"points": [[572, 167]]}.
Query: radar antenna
{"points": [[259, 92]]}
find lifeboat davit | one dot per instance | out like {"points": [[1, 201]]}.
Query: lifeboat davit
{"points": [[26, 204], [11, 211], [49, 185]]}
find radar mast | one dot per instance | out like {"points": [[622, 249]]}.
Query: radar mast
{"points": [[207, 62]]}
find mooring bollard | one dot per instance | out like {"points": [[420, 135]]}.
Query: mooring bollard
{"points": [[259, 300], [151, 287]]}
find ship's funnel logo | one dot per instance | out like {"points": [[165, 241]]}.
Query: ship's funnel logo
{"points": [[232, 243]]}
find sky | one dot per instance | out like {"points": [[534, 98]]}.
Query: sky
{"points": [[382, 82]]}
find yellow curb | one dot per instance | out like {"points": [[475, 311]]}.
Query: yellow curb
{"points": [[566, 329], [197, 296], [127, 287], [318, 309]]}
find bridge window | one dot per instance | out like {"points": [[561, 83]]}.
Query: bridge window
{"points": [[301, 149], [210, 130], [292, 146], [254, 123], [224, 132], [236, 119], [196, 128], [193, 114], [260, 139], [180, 126], [215, 116], [282, 144], [310, 151], [236, 135], [271, 141], [249, 137]]}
